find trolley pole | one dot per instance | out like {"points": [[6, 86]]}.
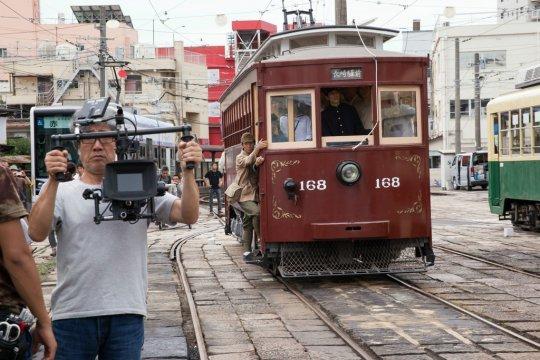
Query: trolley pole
{"points": [[341, 12], [457, 101], [102, 50], [477, 103]]}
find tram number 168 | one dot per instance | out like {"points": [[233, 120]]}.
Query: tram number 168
{"points": [[311, 185], [387, 183]]}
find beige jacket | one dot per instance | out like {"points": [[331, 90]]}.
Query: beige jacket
{"points": [[246, 176]]}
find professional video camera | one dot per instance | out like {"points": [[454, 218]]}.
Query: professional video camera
{"points": [[129, 186]]}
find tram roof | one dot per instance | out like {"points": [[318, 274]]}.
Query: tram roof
{"points": [[317, 53], [279, 45], [514, 100]]}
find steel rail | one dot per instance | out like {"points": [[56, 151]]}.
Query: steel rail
{"points": [[174, 254], [486, 261], [467, 312], [359, 350]]}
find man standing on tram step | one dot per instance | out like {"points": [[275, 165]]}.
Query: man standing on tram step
{"points": [[214, 181], [247, 163], [19, 279], [340, 119], [99, 303]]}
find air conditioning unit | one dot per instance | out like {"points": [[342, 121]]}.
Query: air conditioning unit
{"points": [[528, 77]]}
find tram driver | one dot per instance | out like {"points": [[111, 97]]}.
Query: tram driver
{"points": [[102, 269], [340, 119]]}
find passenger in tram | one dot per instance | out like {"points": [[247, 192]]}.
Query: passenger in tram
{"points": [[102, 269], [302, 122], [340, 119], [360, 99], [278, 112], [398, 119]]}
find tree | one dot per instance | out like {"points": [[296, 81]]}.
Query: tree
{"points": [[21, 146]]}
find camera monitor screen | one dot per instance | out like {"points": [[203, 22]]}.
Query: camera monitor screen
{"points": [[130, 182]]}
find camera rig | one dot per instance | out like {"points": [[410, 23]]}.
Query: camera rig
{"points": [[129, 185]]}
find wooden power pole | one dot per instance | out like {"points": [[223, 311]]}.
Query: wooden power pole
{"points": [[457, 101], [341, 12]]}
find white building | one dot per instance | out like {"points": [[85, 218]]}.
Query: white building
{"points": [[504, 49], [418, 41], [520, 10]]}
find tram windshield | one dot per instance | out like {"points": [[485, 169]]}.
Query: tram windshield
{"points": [[346, 116]]}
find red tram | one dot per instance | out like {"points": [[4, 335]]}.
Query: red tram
{"points": [[335, 205]]}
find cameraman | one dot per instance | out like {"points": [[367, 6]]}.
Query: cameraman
{"points": [[19, 280], [99, 302]]}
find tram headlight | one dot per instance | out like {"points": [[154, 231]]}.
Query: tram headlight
{"points": [[348, 172]]}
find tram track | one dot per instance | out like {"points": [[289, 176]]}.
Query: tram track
{"points": [[461, 309], [363, 351], [174, 255], [487, 261]]}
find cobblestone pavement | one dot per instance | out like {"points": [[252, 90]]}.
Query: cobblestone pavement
{"points": [[462, 220], [509, 298], [246, 313]]}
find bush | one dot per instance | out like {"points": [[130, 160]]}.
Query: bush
{"points": [[21, 146]]}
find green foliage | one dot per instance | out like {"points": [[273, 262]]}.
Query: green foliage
{"points": [[21, 146]]}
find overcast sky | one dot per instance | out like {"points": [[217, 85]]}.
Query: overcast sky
{"points": [[194, 21]]}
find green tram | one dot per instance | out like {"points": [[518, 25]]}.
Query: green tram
{"points": [[514, 155]]}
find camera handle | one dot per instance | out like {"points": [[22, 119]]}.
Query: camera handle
{"points": [[187, 137], [61, 177]]}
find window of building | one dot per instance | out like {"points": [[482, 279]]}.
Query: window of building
{"points": [[399, 109], [318, 40], [133, 84], [495, 59], [465, 106], [3, 53], [213, 76], [434, 162], [354, 40], [291, 115], [168, 80]]}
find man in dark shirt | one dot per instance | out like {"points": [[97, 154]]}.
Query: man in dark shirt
{"points": [[214, 180], [340, 119], [19, 280]]}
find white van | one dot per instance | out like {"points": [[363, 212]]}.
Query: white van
{"points": [[470, 169]]}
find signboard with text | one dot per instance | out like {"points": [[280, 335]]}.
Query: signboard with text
{"points": [[346, 74]]}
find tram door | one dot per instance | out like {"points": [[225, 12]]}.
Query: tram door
{"points": [[494, 164]]}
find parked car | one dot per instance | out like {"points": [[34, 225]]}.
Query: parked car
{"points": [[469, 170]]}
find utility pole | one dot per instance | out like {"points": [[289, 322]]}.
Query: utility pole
{"points": [[457, 102], [477, 104], [341, 12], [153, 34], [102, 50]]}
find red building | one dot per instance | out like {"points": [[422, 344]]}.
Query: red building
{"points": [[220, 75], [222, 62]]}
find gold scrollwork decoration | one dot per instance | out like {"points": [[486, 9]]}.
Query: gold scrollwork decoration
{"points": [[277, 165], [415, 161], [416, 208], [278, 213]]}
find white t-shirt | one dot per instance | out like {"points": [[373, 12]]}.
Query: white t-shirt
{"points": [[102, 269]]}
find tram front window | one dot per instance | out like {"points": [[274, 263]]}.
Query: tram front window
{"points": [[398, 113], [291, 119], [346, 116]]}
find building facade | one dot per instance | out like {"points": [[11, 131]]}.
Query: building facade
{"points": [[504, 48]]}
